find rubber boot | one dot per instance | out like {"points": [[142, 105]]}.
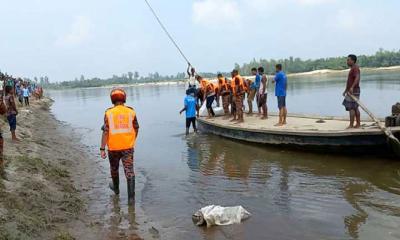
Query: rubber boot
{"points": [[131, 189], [114, 185]]}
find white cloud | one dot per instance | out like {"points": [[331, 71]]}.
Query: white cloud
{"points": [[217, 13], [80, 32], [315, 2]]}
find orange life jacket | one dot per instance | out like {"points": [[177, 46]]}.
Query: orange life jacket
{"points": [[222, 85], [121, 134], [203, 84], [241, 85], [210, 88]]}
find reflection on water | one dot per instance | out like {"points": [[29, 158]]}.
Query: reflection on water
{"points": [[292, 195]]}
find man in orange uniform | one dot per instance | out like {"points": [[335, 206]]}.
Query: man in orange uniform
{"points": [[224, 92], [209, 96], [120, 131], [238, 90], [202, 89]]}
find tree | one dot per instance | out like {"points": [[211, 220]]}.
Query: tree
{"points": [[130, 75], [136, 75], [82, 78]]}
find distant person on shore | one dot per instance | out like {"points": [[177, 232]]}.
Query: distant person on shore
{"points": [[238, 90], [224, 93], [353, 87], [263, 93], [120, 131], [19, 94], [280, 81], [252, 90], [190, 107], [12, 112], [26, 95]]}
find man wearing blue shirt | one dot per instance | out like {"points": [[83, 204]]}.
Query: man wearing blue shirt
{"points": [[253, 89], [190, 109], [26, 94], [280, 92]]}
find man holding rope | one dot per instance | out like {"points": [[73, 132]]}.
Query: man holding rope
{"points": [[353, 87]]}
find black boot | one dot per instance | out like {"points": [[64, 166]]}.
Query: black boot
{"points": [[114, 185], [131, 189]]}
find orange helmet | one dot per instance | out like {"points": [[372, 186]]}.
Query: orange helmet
{"points": [[118, 95]]}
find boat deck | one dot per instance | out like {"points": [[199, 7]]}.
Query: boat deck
{"points": [[298, 124]]}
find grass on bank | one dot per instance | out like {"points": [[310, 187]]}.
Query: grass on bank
{"points": [[36, 197]]}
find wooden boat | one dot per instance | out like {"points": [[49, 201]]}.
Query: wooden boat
{"points": [[305, 132]]}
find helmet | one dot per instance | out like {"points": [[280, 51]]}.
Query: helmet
{"points": [[118, 95]]}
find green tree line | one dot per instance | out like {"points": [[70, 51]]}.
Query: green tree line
{"points": [[381, 58]]}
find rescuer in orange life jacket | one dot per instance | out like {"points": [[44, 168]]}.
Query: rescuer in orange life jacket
{"points": [[120, 131]]}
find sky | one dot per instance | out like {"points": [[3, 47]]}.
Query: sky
{"points": [[99, 38]]}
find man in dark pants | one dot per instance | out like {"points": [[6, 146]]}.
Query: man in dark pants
{"points": [[280, 92], [120, 131], [353, 87]]}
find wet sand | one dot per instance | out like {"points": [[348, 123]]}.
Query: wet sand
{"points": [[50, 181]]}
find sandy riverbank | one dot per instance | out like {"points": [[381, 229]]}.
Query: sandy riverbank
{"points": [[45, 184]]}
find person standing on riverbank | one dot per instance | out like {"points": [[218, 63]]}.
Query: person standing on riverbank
{"points": [[120, 131], [26, 94], [190, 107], [191, 71], [280, 92], [11, 112], [353, 87]]}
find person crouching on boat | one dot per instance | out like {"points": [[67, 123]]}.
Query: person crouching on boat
{"points": [[238, 90], [280, 92], [353, 87], [224, 93], [120, 131], [190, 106]]}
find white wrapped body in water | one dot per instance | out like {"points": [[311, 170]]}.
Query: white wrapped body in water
{"points": [[220, 216]]}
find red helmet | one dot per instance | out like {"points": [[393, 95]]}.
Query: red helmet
{"points": [[118, 95]]}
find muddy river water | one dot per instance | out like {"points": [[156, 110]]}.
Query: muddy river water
{"points": [[291, 195]]}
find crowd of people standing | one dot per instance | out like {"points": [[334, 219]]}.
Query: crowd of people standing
{"points": [[233, 91], [11, 90]]}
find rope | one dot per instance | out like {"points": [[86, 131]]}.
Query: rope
{"points": [[166, 31]]}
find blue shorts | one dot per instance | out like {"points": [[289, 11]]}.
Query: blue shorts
{"points": [[281, 102], [12, 121]]}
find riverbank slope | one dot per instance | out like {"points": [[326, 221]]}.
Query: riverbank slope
{"points": [[44, 185]]}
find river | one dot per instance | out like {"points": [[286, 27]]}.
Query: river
{"points": [[291, 195]]}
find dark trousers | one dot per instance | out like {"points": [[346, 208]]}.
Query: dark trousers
{"points": [[210, 101], [26, 101], [126, 156]]}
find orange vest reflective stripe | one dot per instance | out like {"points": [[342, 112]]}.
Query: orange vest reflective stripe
{"points": [[121, 134], [241, 84]]}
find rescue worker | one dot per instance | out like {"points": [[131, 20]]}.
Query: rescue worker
{"points": [[238, 90], [120, 131], [202, 89], [210, 95], [224, 93]]}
